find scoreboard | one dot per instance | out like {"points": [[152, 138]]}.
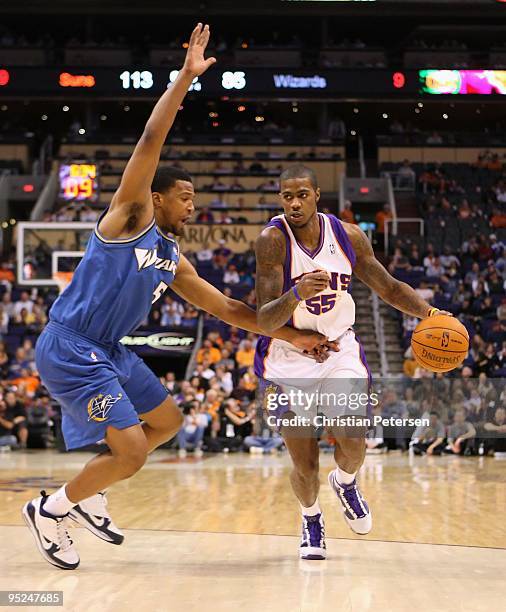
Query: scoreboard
{"points": [[78, 182], [147, 82]]}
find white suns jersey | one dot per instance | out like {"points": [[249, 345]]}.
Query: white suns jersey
{"points": [[332, 311]]}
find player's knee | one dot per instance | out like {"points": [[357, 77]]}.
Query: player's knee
{"points": [[307, 469], [353, 448], [169, 428], [132, 460], [178, 421]]}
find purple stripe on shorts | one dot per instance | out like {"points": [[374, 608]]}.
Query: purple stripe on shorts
{"points": [[260, 355], [363, 359], [343, 239], [287, 269]]}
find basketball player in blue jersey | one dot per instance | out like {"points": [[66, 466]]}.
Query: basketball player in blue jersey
{"points": [[104, 389], [305, 263]]}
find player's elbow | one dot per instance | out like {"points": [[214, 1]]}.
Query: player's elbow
{"points": [[265, 322], [148, 135]]}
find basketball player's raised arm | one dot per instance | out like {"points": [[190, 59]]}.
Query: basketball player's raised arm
{"points": [[372, 273], [275, 307], [131, 207], [194, 289]]}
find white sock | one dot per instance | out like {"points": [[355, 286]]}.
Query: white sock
{"points": [[345, 478], [312, 510], [58, 504]]}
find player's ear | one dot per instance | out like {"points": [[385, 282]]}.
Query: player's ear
{"points": [[317, 191], [156, 198]]}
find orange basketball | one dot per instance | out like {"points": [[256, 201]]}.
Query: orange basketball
{"points": [[440, 343]]}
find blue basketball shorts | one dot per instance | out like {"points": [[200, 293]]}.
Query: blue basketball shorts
{"points": [[96, 385]]}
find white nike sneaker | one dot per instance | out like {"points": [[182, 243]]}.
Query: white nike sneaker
{"points": [[92, 514], [51, 534]]}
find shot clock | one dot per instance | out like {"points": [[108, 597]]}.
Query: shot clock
{"points": [[78, 182]]}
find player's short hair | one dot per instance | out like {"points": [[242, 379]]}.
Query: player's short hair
{"points": [[165, 178], [299, 171]]}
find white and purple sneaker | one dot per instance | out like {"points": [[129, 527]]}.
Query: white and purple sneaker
{"points": [[312, 545], [355, 508]]}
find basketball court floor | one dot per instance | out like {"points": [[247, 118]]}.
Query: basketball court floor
{"points": [[221, 533]]}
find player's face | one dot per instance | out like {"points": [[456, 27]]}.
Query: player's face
{"points": [[299, 199], [174, 208]]}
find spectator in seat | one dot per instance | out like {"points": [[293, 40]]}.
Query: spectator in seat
{"points": [[171, 312], [245, 356], [382, 216], [262, 440], [224, 218], [13, 418], [346, 214], [399, 262], [236, 185], [424, 291], [171, 384], [406, 175], [226, 360], [7, 277], [435, 269], [191, 433], [498, 219], [20, 362], [434, 139], [205, 216], [231, 275], [205, 254], [24, 302], [473, 275], [218, 185], [500, 192], [415, 257], [448, 259], [8, 305], [430, 437], [4, 321], [270, 185], [495, 432], [232, 426], [27, 381], [218, 202], [501, 310], [209, 352], [461, 434]]}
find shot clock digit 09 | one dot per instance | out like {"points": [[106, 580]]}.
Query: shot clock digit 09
{"points": [[78, 182]]}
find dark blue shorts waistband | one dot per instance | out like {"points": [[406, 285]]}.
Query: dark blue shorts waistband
{"points": [[71, 334]]}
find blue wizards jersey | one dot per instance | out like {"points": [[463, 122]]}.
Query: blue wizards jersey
{"points": [[115, 284]]}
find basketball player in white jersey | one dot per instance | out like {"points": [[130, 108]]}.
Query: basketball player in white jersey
{"points": [[305, 263]]}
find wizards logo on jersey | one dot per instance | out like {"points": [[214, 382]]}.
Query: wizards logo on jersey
{"points": [[322, 304], [100, 406], [149, 257]]}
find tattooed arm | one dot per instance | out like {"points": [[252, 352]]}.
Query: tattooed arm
{"points": [[371, 272], [274, 308]]}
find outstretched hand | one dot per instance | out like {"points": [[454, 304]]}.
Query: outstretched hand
{"points": [[195, 63]]}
